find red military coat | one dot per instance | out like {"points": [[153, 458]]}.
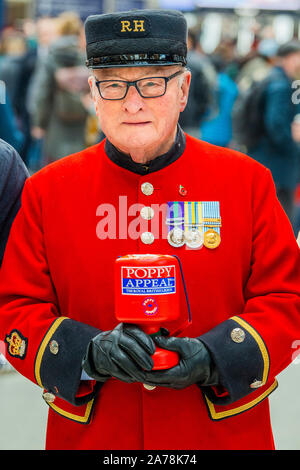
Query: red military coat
{"points": [[56, 293]]}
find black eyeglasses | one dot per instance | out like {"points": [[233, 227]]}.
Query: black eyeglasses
{"points": [[150, 87]]}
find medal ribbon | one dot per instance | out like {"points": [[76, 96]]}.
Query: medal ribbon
{"points": [[193, 215], [211, 216], [202, 215], [175, 215]]}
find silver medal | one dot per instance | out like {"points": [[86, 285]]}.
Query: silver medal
{"points": [[176, 237], [194, 238]]}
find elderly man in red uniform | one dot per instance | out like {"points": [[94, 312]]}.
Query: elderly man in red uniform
{"points": [[239, 256]]}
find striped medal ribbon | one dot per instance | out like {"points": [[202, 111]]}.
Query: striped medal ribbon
{"points": [[211, 220], [193, 233], [175, 223], [194, 223]]}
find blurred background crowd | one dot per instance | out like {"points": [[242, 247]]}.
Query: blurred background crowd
{"points": [[245, 89]]}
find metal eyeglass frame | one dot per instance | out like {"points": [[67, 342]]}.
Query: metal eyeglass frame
{"points": [[134, 83]]}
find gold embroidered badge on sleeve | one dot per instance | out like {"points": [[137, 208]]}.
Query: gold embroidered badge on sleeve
{"points": [[16, 344]]}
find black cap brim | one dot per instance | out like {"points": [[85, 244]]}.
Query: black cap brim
{"points": [[135, 60]]}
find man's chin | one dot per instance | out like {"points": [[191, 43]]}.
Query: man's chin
{"points": [[135, 144]]}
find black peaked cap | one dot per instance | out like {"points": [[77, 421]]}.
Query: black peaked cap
{"points": [[136, 38]]}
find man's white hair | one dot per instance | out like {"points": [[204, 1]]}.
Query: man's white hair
{"points": [[182, 76]]}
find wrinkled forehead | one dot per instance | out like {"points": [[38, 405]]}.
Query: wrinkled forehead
{"points": [[131, 73]]}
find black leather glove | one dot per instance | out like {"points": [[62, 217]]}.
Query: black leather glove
{"points": [[195, 365], [124, 353]]}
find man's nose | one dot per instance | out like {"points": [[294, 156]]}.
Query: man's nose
{"points": [[133, 102]]}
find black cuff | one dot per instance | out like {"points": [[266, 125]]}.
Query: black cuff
{"points": [[240, 356], [58, 361]]}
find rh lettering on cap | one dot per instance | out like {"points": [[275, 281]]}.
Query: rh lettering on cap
{"points": [[132, 27], [135, 25]]}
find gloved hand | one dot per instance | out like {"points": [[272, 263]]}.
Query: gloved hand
{"points": [[124, 353], [195, 365]]}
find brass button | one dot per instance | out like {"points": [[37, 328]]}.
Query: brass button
{"points": [[53, 346], [237, 335], [147, 238], [49, 397], [149, 387], [256, 384], [147, 213], [147, 189]]}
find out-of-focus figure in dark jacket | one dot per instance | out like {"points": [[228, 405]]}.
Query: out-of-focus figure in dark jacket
{"points": [[278, 148], [259, 65], [13, 174], [60, 83], [9, 127], [217, 129], [202, 88]]}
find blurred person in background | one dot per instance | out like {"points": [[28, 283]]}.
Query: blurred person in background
{"points": [[9, 127], [46, 34], [259, 65], [217, 130], [278, 147], [226, 53], [57, 111], [202, 88], [20, 53], [13, 174], [26, 63], [39, 36], [13, 46]]}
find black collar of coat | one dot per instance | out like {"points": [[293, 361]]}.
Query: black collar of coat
{"points": [[158, 163]]}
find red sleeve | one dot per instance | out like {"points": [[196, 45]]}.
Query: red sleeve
{"points": [[37, 335], [251, 348]]}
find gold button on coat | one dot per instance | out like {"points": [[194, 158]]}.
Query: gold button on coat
{"points": [[53, 346], [147, 213], [147, 238], [147, 189], [237, 335], [49, 397]]}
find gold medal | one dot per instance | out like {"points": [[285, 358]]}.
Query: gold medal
{"points": [[194, 238], [211, 239]]}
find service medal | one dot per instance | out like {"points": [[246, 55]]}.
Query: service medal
{"points": [[194, 223], [212, 239], [175, 224], [176, 237], [194, 238]]}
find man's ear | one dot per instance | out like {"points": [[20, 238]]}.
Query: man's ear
{"points": [[185, 90], [91, 81]]}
